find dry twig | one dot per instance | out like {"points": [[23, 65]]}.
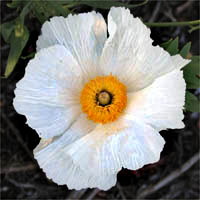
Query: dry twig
{"points": [[76, 194], [17, 134], [153, 188], [21, 185], [183, 7], [155, 13], [91, 194], [121, 191], [17, 169]]}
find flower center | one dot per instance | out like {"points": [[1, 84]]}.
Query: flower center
{"points": [[103, 99]]}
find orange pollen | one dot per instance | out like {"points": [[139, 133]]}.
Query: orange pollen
{"points": [[103, 99]]}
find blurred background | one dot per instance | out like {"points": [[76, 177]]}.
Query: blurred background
{"points": [[175, 176]]}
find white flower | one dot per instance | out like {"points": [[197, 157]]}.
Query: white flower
{"points": [[99, 103]]}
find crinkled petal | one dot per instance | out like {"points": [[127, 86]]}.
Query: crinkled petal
{"points": [[161, 104], [83, 35], [48, 95], [98, 153], [52, 157], [179, 61], [108, 148], [61, 169], [129, 49], [81, 127]]}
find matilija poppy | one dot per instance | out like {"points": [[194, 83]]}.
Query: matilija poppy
{"points": [[99, 102]]}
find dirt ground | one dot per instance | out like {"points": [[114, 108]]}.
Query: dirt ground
{"points": [[175, 176]]}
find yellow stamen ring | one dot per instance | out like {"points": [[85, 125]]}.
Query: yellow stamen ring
{"points": [[103, 99]]}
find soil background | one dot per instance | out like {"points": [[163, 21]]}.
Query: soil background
{"points": [[21, 177]]}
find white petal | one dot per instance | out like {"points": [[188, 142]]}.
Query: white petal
{"points": [[136, 146], [107, 149], [48, 95], [160, 104], [86, 151], [179, 62], [97, 154], [129, 54], [83, 35], [59, 166], [81, 127]]}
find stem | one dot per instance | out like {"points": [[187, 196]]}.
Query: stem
{"points": [[166, 24], [141, 4], [194, 28]]}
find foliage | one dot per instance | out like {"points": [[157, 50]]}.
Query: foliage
{"points": [[16, 34], [191, 102], [106, 4], [191, 72]]}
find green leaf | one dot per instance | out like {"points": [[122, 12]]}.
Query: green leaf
{"points": [[192, 73], [192, 103], [165, 45], [6, 30], [31, 55], [58, 8], [173, 47], [185, 50], [39, 12], [17, 42], [43, 10], [107, 4], [15, 3], [24, 12]]}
